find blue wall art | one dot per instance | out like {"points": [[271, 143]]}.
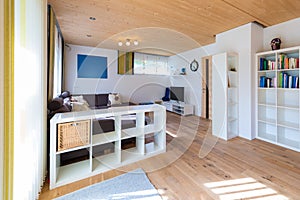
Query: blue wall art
{"points": [[91, 66]]}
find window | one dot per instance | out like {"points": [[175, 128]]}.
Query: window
{"points": [[150, 64]]}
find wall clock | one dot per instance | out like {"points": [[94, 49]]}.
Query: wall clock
{"points": [[194, 65]]}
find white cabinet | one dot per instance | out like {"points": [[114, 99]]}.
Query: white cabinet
{"points": [[150, 140], [277, 105], [225, 101], [179, 108]]}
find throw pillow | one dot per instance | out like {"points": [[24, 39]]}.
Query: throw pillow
{"points": [[114, 98], [55, 104], [79, 99]]}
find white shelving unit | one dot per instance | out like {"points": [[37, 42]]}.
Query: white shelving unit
{"points": [[225, 101], [61, 175], [277, 104], [179, 108]]}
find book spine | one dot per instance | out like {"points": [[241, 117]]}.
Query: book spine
{"points": [[261, 64], [286, 62], [290, 81], [274, 82], [280, 81], [265, 64]]}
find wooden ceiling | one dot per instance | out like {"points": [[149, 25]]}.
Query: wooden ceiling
{"points": [[163, 26]]}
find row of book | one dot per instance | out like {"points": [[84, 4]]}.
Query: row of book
{"points": [[284, 81], [267, 82], [288, 81], [284, 62], [266, 64]]}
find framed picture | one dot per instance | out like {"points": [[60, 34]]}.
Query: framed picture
{"points": [[91, 66]]}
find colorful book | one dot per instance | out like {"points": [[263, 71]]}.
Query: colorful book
{"points": [[289, 81], [261, 64], [280, 80], [286, 62]]}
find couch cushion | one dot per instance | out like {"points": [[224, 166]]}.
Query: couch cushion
{"points": [[91, 99], [55, 104], [101, 100]]}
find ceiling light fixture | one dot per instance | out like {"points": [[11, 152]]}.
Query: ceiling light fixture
{"points": [[128, 42]]}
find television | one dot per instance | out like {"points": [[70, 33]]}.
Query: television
{"points": [[177, 94]]}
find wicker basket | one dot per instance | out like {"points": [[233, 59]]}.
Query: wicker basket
{"points": [[73, 134]]}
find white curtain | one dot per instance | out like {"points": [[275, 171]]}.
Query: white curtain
{"points": [[57, 78], [30, 98]]}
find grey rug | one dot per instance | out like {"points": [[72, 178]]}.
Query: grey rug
{"points": [[132, 185]]}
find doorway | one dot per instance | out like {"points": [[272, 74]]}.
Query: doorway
{"points": [[206, 87]]}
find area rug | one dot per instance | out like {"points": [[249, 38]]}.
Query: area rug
{"points": [[132, 185]]}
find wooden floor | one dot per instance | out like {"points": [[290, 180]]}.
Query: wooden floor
{"points": [[236, 169]]}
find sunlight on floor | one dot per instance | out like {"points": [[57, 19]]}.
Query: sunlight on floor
{"points": [[243, 188], [142, 194], [171, 134], [162, 194]]}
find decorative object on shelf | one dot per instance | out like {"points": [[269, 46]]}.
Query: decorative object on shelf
{"points": [[194, 65], [275, 43], [128, 42], [232, 69], [183, 71]]}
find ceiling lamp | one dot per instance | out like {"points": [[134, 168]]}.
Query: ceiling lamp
{"points": [[128, 43]]}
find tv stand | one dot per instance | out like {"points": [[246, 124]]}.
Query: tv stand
{"points": [[179, 107]]}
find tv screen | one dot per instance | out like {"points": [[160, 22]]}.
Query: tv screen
{"points": [[177, 93]]}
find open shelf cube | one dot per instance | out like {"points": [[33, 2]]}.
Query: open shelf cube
{"points": [[116, 137], [154, 142], [267, 131], [288, 118], [289, 137], [267, 114]]}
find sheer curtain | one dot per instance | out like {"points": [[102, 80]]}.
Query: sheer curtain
{"points": [[30, 80], [55, 56]]}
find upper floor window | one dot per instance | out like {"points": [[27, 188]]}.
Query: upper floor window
{"points": [[150, 64]]}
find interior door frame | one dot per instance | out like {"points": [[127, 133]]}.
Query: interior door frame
{"points": [[206, 111]]}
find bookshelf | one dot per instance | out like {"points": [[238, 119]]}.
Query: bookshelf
{"points": [[105, 149], [277, 95], [225, 101]]}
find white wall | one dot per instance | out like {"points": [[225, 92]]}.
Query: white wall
{"points": [[192, 81], [239, 40], [1, 94], [136, 88], [288, 32], [236, 40], [256, 46]]}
